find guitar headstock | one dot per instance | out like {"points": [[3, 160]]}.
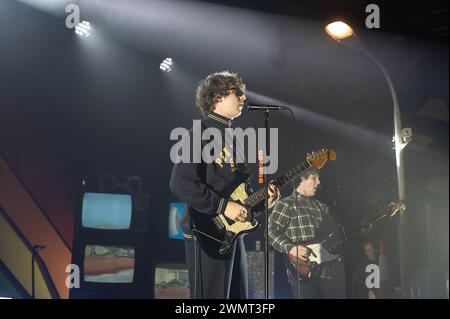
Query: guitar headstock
{"points": [[394, 208], [318, 159]]}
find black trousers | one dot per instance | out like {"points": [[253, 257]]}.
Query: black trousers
{"points": [[320, 288], [211, 278]]}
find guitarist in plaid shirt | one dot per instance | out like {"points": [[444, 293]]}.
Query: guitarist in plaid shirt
{"points": [[300, 218]]}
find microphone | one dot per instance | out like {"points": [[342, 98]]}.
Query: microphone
{"points": [[264, 107]]}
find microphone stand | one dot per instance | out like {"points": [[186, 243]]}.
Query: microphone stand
{"points": [[266, 185], [266, 109]]}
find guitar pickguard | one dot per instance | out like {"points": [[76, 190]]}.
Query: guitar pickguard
{"points": [[237, 227], [239, 194], [322, 255]]}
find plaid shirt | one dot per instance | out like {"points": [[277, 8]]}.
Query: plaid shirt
{"points": [[288, 225]]}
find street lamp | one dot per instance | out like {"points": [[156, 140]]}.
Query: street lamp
{"points": [[342, 32], [339, 30]]}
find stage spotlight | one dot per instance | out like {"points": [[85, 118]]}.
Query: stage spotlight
{"points": [[339, 30], [83, 29], [166, 65]]}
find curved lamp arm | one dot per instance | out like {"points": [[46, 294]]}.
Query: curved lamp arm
{"points": [[399, 145]]}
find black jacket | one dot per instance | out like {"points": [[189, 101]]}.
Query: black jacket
{"points": [[206, 187]]}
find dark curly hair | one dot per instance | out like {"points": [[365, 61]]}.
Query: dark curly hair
{"points": [[305, 175], [216, 86]]}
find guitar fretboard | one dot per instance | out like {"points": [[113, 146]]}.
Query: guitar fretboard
{"points": [[260, 195], [392, 210]]}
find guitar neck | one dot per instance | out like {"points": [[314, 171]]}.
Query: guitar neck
{"points": [[260, 195], [359, 230], [370, 222]]}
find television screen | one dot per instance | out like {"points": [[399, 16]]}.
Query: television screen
{"points": [[171, 281], [176, 211], [108, 264], [106, 211]]}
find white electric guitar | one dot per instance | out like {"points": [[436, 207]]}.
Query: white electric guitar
{"points": [[321, 252]]}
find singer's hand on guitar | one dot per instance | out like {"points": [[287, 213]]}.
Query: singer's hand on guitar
{"points": [[274, 195], [303, 252], [235, 212]]}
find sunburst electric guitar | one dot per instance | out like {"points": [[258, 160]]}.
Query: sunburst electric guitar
{"points": [[217, 233]]}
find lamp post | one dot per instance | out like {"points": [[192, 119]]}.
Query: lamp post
{"points": [[339, 31]]}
